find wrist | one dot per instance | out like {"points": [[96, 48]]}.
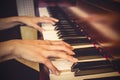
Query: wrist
{"points": [[6, 50], [16, 20]]}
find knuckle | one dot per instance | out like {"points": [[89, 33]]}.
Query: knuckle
{"points": [[69, 57], [62, 45]]}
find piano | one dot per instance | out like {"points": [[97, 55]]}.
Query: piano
{"points": [[90, 26]]}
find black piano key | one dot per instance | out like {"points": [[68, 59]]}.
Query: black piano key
{"points": [[59, 23], [91, 65], [63, 27], [116, 64], [59, 17], [72, 37], [64, 21], [93, 71], [90, 51], [66, 30], [106, 78], [74, 41], [67, 34], [94, 65], [64, 36], [75, 67], [78, 44]]}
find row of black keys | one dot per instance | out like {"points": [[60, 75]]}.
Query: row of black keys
{"points": [[66, 30], [106, 78], [70, 34]]}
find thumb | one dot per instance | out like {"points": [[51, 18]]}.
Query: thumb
{"points": [[52, 68]]}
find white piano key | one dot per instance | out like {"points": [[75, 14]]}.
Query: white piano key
{"points": [[83, 46], [43, 11], [48, 27], [88, 60], [70, 76], [63, 65], [50, 35]]}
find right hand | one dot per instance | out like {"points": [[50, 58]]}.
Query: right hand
{"points": [[40, 50]]}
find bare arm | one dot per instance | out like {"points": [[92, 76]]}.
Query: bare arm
{"points": [[36, 51], [9, 22]]}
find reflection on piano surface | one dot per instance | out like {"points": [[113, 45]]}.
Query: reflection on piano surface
{"points": [[92, 28]]}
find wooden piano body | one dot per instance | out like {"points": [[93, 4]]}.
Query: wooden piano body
{"points": [[99, 20]]}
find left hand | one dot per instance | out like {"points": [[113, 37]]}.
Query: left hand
{"points": [[33, 21]]}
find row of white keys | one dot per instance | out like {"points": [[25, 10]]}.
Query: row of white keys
{"points": [[65, 68], [44, 12], [51, 34], [68, 75]]}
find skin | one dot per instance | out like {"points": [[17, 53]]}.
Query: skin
{"points": [[34, 50], [30, 21]]}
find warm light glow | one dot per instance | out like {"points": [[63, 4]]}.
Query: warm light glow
{"points": [[106, 31], [79, 12]]}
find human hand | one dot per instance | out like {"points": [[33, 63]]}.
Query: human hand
{"points": [[33, 21], [40, 51], [30, 21]]}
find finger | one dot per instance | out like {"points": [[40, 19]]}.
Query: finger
{"points": [[47, 20], [62, 55], [35, 26], [54, 19], [51, 18], [60, 48], [52, 68], [61, 43]]}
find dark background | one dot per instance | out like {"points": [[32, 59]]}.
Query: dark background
{"points": [[13, 70]]}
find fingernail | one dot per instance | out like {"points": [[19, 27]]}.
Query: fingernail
{"points": [[56, 20], [73, 53], [75, 59]]}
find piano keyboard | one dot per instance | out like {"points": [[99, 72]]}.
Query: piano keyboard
{"points": [[91, 65]]}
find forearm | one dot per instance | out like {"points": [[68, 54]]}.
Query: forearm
{"points": [[5, 51], [9, 22]]}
